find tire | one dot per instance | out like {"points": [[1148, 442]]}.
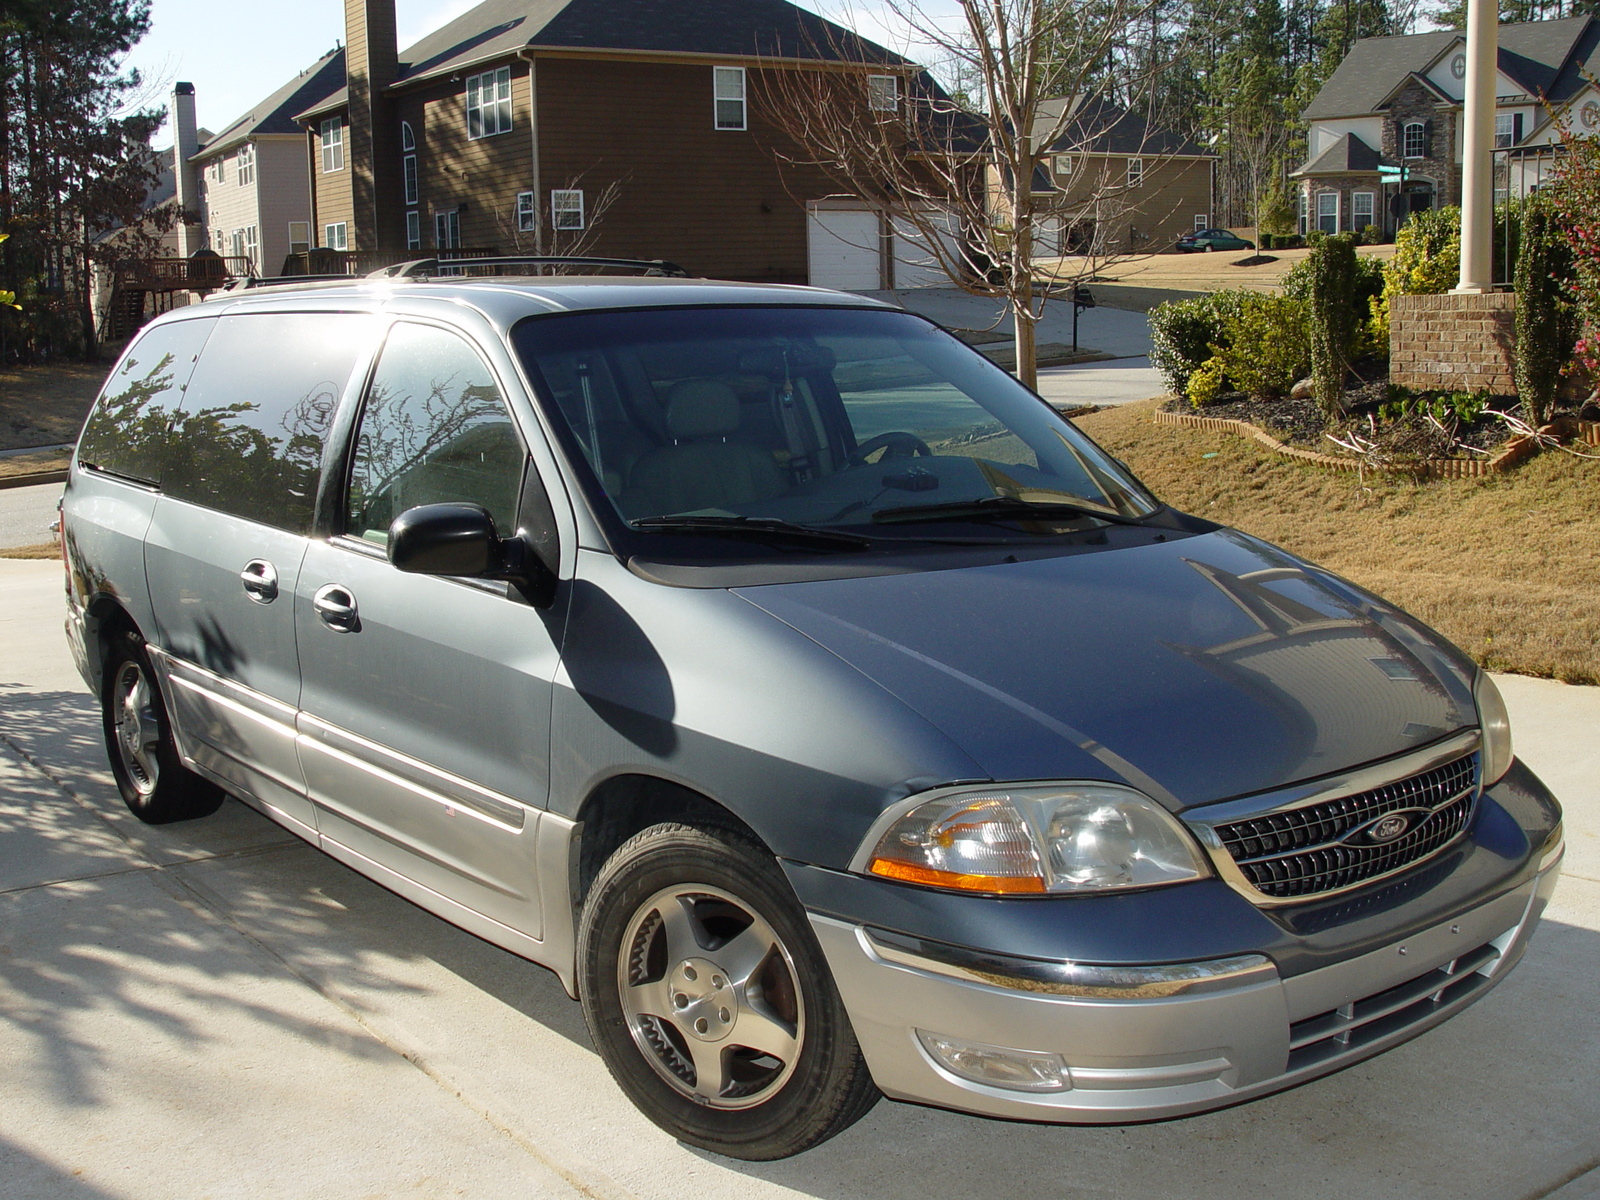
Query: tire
{"points": [[1210, 249], [155, 785], [709, 999]]}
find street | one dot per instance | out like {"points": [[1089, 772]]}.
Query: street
{"points": [[216, 1009], [26, 514]]}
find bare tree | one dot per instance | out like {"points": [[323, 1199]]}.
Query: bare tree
{"points": [[547, 235], [961, 181]]}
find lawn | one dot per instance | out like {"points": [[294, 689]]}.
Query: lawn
{"points": [[45, 406], [1507, 567]]}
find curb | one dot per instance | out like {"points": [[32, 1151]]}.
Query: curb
{"points": [[1517, 450], [35, 477]]}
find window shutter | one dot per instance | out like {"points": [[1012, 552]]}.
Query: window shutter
{"points": [[1516, 129], [1427, 139]]}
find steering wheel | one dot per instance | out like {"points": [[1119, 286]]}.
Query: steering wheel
{"points": [[894, 444]]}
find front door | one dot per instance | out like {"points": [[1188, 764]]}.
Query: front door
{"points": [[425, 723]]}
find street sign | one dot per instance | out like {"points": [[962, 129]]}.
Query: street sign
{"points": [[1391, 174]]}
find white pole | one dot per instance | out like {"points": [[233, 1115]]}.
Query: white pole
{"points": [[1477, 148]]}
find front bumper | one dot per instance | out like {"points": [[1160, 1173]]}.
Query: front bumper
{"points": [[1138, 1057]]}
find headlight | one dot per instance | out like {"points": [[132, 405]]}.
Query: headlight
{"points": [[1066, 837], [1496, 726]]}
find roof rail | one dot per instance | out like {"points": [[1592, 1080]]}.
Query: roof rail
{"points": [[251, 282], [424, 268]]}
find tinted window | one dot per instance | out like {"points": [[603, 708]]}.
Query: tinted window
{"points": [[126, 433], [249, 438], [434, 429]]}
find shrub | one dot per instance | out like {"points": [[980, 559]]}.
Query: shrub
{"points": [[1426, 262], [1206, 382], [1332, 319], [1448, 408], [1370, 235], [1267, 344], [1546, 324], [1184, 332], [1314, 237]]}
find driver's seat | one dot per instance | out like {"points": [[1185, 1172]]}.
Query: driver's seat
{"points": [[702, 468]]}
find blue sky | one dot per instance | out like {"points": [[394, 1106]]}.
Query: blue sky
{"points": [[239, 53]]}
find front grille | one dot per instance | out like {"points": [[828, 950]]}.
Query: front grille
{"points": [[1301, 853], [1351, 1026]]}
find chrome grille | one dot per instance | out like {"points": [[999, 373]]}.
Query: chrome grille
{"points": [[1302, 853]]}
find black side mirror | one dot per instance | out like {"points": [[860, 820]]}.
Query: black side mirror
{"points": [[446, 539]]}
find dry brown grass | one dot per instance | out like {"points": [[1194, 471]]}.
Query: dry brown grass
{"points": [[1507, 567], [45, 406], [41, 550], [29, 464]]}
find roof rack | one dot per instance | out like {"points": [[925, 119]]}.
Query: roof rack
{"points": [[424, 268], [251, 282]]}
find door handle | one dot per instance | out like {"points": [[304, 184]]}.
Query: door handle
{"points": [[337, 608], [260, 579]]}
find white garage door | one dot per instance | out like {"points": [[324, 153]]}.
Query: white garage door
{"points": [[915, 264], [843, 249]]}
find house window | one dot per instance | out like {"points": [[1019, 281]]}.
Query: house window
{"points": [[332, 145], [222, 241], [408, 140], [489, 103], [447, 229], [216, 170], [299, 237], [247, 164], [883, 93], [237, 244], [413, 230], [1505, 130], [1063, 164], [336, 236], [1361, 209], [1300, 211], [527, 212], [408, 171], [1415, 137], [1202, 221], [1328, 212], [252, 245], [1135, 172], [728, 92], [566, 209]]}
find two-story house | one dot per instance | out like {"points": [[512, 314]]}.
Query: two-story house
{"points": [[514, 125], [1397, 103]]}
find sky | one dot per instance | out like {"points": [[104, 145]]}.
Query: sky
{"points": [[240, 58]]}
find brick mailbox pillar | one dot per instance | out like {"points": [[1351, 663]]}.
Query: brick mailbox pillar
{"points": [[1458, 342]]}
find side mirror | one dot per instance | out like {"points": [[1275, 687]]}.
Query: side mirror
{"points": [[446, 539]]}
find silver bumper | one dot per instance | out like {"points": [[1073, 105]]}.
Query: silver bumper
{"points": [[1138, 1057]]}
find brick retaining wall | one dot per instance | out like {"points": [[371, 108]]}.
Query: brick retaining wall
{"points": [[1457, 343]]}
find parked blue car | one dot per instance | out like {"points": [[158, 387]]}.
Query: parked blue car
{"points": [[830, 714], [1212, 239]]}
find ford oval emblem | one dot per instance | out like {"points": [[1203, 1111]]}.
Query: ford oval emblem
{"points": [[1388, 828]]}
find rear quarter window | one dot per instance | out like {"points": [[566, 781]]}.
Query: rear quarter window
{"points": [[127, 432], [248, 439]]}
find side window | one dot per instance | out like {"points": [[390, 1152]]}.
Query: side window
{"points": [[248, 440], [434, 429], [126, 434]]}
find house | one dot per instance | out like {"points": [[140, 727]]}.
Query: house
{"points": [[629, 128], [1113, 183], [251, 182], [1397, 103]]}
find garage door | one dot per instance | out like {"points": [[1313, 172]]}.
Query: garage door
{"points": [[843, 249], [915, 264]]}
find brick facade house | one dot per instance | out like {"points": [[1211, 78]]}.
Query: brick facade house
{"points": [[1397, 103]]}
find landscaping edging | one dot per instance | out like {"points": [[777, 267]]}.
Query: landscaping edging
{"points": [[33, 477], [1517, 450]]}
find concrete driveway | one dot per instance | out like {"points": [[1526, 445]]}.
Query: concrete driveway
{"points": [[214, 1009], [26, 514]]}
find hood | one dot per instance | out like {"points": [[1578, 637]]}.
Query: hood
{"points": [[1195, 670]]}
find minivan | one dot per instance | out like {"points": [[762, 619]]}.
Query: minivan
{"points": [[828, 712]]}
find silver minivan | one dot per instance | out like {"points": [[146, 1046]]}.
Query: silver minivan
{"points": [[829, 713]]}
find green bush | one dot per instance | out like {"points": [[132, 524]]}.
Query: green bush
{"points": [[1184, 332], [1206, 382], [1445, 407], [1333, 318], [1369, 280], [1314, 237], [1546, 323], [1426, 262], [1370, 235], [1267, 349]]}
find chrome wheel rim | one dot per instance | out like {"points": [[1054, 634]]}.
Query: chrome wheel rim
{"points": [[711, 996], [136, 733]]}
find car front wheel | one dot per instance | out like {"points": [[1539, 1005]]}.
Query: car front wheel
{"points": [[709, 999]]}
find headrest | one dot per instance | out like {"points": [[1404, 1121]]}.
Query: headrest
{"points": [[701, 408]]}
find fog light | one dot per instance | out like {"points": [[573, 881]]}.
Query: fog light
{"points": [[1019, 1070]]}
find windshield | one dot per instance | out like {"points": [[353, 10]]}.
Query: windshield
{"points": [[864, 420]]}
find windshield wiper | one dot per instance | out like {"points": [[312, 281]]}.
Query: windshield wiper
{"points": [[753, 527], [988, 508]]}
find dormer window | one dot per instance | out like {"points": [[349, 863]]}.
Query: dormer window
{"points": [[1414, 138]]}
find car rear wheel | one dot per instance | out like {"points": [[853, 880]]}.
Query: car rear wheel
{"points": [[155, 785], [709, 999]]}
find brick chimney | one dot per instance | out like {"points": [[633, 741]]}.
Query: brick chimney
{"points": [[185, 145], [371, 65]]}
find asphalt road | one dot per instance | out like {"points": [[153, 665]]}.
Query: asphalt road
{"points": [[214, 1009], [1120, 381], [26, 514]]}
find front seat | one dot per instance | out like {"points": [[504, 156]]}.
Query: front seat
{"points": [[702, 468]]}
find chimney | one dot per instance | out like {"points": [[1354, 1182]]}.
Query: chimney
{"points": [[371, 65], [185, 145]]}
